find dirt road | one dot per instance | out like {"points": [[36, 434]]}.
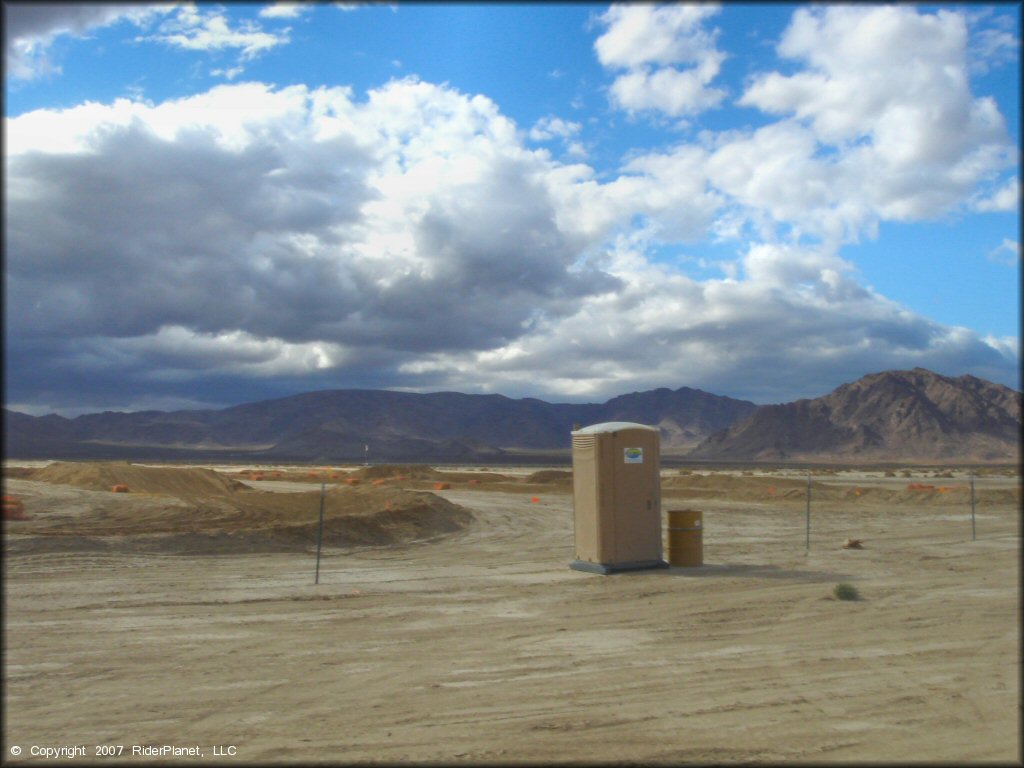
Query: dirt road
{"points": [[485, 647]]}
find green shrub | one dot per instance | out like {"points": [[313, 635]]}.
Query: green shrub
{"points": [[846, 591]]}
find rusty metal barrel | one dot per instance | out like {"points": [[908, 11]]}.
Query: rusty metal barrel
{"points": [[685, 537]]}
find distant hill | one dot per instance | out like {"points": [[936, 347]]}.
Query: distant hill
{"points": [[891, 416], [337, 424]]}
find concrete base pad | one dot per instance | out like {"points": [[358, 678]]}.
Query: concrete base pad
{"points": [[608, 568]]}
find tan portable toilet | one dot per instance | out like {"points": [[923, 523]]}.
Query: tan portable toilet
{"points": [[617, 497]]}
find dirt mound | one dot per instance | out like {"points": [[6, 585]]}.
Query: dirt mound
{"points": [[396, 471], [245, 522], [173, 481]]}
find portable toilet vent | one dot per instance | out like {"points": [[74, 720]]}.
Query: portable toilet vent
{"points": [[617, 497]]}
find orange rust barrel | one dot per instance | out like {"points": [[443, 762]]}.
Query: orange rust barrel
{"points": [[685, 537]]}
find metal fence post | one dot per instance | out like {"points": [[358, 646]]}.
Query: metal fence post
{"points": [[973, 535], [320, 532], [808, 543]]}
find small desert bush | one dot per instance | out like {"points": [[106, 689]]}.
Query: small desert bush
{"points": [[846, 591]]}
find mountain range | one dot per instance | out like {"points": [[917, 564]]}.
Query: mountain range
{"points": [[339, 424], [902, 416], [889, 416]]}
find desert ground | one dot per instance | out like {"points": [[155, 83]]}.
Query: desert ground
{"points": [[447, 627]]}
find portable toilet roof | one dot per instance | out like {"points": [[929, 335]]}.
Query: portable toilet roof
{"points": [[612, 426]]}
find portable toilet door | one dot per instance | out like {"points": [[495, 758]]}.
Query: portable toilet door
{"points": [[617, 497]]}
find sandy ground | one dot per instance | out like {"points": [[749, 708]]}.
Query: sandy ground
{"points": [[482, 646]]}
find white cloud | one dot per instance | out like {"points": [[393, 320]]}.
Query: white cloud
{"points": [[180, 353], [646, 40], [284, 10], [669, 90], [887, 88], [194, 30], [643, 33], [551, 127], [1004, 198], [1007, 252], [993, 43]]}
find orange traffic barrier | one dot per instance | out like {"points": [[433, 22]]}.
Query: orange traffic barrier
{"points": [[920, 487], [442, 486], [14, 509], [120, 488], [534, 500], [352, 481]]}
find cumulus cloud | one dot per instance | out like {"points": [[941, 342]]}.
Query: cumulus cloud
{"points": [[886, 89], [789, 341], [648, 41]]}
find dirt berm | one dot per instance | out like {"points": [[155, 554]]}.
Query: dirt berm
{"points": [[192, 511], [102, 476]]}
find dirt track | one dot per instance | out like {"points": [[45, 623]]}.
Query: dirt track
{"points": [[483, 646]]}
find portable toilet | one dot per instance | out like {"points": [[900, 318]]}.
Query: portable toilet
{"points": [[617, 497]]}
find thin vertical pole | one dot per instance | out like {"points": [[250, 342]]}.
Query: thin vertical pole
{"points": [[320, 533], [973, 536], [808, 512]]}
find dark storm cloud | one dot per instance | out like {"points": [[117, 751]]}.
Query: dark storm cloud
{"points": [[144, 232], [169, 256]]}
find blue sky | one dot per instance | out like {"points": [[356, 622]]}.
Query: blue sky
{"points": [[211, 204]]}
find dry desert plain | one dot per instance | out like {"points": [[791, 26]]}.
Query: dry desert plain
{"points": [[446, 626]]}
